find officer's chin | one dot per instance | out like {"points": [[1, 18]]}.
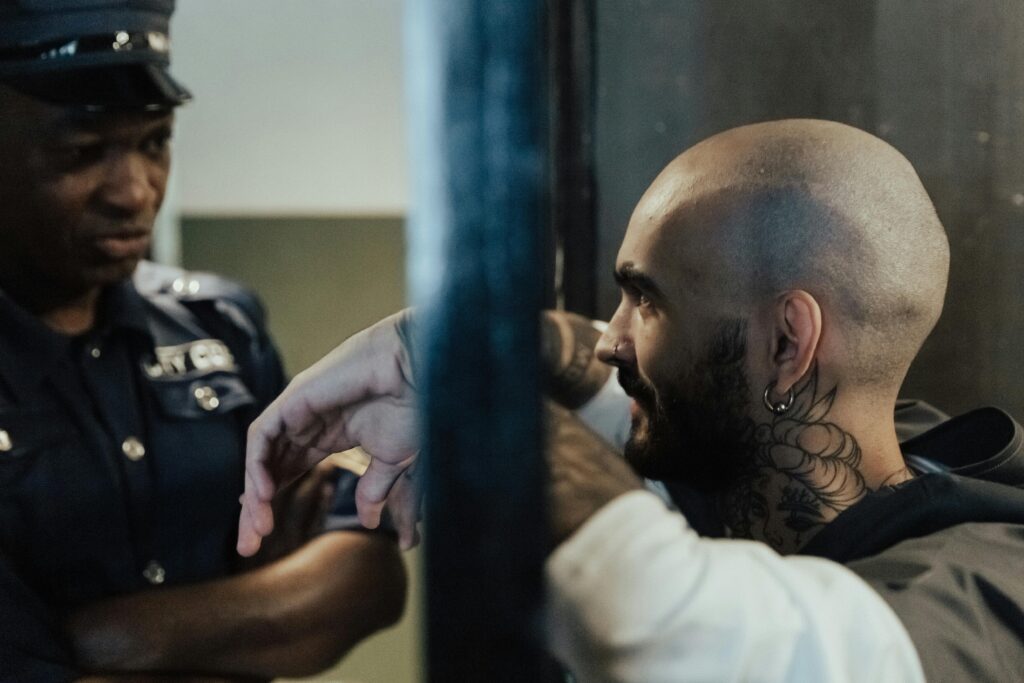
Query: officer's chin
{"points": [[109, 273]]}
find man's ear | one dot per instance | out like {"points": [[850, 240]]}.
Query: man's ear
{"points": [[795, 338]]}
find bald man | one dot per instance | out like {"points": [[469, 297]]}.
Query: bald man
{"points": [[777, 280]]}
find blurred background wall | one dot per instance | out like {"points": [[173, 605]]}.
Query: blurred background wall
{"points": [[290, 175], [298, 107]]}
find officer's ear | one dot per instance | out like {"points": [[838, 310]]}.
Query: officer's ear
{"points": [[795, 337]]}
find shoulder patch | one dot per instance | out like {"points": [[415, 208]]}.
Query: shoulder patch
{"points": [[198, 357]]}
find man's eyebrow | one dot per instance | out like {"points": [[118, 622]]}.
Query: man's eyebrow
{"points": [[628, 275]]}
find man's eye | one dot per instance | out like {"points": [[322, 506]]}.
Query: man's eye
{"points": [[641, 300], [636, 297]]}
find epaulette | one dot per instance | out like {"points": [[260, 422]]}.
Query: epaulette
{"points": [[196, 290]]}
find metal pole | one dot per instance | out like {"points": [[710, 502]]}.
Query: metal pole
{"points": [[573, 198], [478, 111]]}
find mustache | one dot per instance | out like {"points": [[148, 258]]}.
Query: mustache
{"points": [[636, 388]]}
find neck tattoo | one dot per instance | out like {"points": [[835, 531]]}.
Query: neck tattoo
{"points": [[804, 471]]}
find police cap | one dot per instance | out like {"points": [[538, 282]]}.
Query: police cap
{"points": [[97, 54]]}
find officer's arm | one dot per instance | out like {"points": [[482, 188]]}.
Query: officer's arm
{"points": [[294, 617], [31, 645]]}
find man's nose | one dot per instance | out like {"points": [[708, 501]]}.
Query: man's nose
{"points": [[130, 186], [615, 346]]}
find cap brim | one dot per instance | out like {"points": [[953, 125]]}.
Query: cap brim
{"points": [[125, 86]]}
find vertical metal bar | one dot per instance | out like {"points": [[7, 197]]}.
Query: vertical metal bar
{"points": [[573, 197], [478, 111]]}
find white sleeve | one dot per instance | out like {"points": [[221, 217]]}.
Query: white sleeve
{"points": [[635, 596], [607, 412]]}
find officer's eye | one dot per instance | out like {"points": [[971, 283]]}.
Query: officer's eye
{"points": [[74, 155], [157, 144]]}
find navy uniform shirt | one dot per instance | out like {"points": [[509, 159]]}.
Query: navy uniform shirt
{"points": [[122, 451]]}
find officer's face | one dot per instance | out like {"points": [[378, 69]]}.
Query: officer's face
{"points": [[79, 192]]}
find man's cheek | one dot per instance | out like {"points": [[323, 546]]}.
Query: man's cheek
{"points": [[656, 373]]}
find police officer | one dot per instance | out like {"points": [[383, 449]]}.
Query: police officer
{"points": [[126, 389]]}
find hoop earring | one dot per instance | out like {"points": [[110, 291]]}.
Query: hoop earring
{"points": [[781, 407]]}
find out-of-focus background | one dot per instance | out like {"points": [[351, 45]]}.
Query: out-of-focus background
{"points": [[290, 175]]}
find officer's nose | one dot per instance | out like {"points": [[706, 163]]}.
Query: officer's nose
{"points": [[615, 346], [131, 186]]}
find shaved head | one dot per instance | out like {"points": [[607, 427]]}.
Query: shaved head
{"points": [[776, 282], [812, 205]]}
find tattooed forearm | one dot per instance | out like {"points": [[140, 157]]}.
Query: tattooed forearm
{"points": [[573, 372]]}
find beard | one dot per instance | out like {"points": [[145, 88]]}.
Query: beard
{"points": [[694, 430]]}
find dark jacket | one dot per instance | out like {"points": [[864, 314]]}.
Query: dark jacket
{"points": [[946, 549]]}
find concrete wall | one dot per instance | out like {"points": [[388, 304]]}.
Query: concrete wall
{"points": [[290, 175], [298, 107]]}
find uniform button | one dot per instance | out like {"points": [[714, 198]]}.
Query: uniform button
{"points": [[5, 441], [133, 449], [206, 397], [95, 352], [154, 573]]}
